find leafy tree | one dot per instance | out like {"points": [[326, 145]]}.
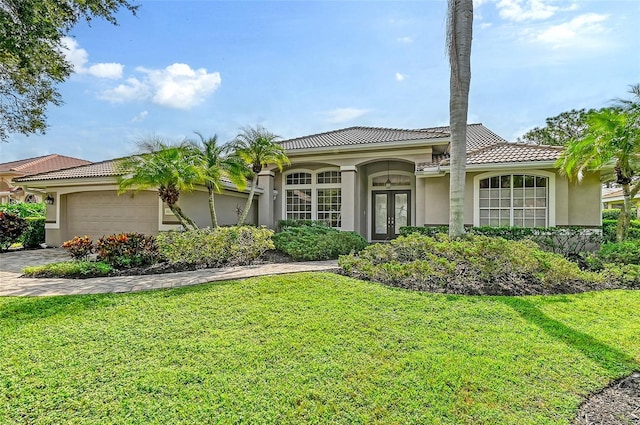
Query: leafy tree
{"points": [[612, 136], [257, 147], [459, 35], [170, 168], [560, 129], [218, 164], [32, 60]]}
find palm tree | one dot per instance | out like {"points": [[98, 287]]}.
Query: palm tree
{"points": [[612, 136], [459, 35], [257, 148], [170, 168], [218, 164]]}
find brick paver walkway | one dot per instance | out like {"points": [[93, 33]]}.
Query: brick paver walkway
{"points": [[11, 284]]}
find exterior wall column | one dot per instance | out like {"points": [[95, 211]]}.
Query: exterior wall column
{"points": [[420, 202], [266, 207], [349, 197]]}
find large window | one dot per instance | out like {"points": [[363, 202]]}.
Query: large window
{"points": [[314, 197], [514, 200]]}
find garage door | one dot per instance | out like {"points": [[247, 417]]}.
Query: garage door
{"points": [[104, 213]]}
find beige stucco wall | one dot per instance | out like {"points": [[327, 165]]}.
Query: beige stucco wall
{"points": [[196, 206], [585, 201]]}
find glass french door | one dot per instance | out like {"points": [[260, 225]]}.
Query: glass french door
{"points": [[391, 209]]}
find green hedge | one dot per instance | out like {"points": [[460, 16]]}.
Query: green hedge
{"points": [[35, 233], [567, 241], [614, 213], [216, 247], [609, 230], [317, 242]]}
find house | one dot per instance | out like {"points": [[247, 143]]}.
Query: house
{"points": [[366, 179], [613, 198], [11, 192]]}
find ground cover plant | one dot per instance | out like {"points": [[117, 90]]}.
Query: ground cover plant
{"points": [[311, 348], [312, 240], [475, 265]]}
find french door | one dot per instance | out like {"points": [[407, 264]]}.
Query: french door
{"points": [[391, 209]]}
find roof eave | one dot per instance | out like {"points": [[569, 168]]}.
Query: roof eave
{"points": [[370, 146]]}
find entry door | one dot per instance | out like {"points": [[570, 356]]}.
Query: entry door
{"points": [[391, 210]]}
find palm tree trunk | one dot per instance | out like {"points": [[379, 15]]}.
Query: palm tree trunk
{"points": [[247, 206], [459, 36], [624, 221], [212, 208], [184, 220]]}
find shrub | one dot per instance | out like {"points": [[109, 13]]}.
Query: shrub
{"points": [[11, 229], [567, 241], [627, 252], [614, 213], [317, 242], [476, 264], [609, 230], [217, 247], [35, 233], [284, 224], [127, 250], [24, 210], [625, 275], [70, 269], [80, 247]]}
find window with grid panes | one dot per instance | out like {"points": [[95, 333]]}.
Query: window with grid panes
{"points": [[314, 197], [514, 200]]}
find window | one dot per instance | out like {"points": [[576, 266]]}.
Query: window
{"points": [[514, 200], [316, 196]]}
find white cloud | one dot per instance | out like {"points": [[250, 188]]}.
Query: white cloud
{"points": [[405, 39], [485, 25], [581, 30], [341, 115], [176, 86], [79, 58], [140, 117], [525, 10], [399, 77]]}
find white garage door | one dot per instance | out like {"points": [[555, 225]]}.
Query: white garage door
{"points": [[104, 213]]}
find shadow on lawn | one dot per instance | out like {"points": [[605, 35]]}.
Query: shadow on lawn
{"points": [[609, 358], [25, 309]]}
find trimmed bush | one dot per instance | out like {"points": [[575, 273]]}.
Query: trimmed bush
{"points": [[126, 250], [35, 233], [317, 242], [217, 247], [70, 269], [609, 230], [12, 227], [568, 241], [474, 265], [284, 224], [80, 247], [614, 213], [24, 210]]}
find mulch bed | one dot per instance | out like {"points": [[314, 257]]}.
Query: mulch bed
{"points": [[617, 404]]}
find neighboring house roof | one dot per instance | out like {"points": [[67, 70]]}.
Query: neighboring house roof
{"points": [[477, 136], [616, 195], [41, 164]]}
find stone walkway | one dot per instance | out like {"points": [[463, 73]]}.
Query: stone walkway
{"points": [[11, 284]]}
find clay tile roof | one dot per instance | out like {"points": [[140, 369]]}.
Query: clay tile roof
{"points": [[42, 164], [511, 152], [98, 169]]}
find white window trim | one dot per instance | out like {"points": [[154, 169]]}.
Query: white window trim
{"points": [[551, 206], [314, 186]]}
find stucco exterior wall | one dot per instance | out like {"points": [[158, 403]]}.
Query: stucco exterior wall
{"points": [[196, 206], [584, 201]]}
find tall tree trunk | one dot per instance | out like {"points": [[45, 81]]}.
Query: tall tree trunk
{"points": [[212, 208], [247, 206], [459, 35]]}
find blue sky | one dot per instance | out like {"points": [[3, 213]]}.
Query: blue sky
{"points": [[303, 67]]}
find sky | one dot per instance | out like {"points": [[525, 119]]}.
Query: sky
{"points": [[303, 67]]}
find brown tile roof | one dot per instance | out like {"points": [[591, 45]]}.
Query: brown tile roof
{"points": [[513, 152], [477, 136], [41, 164], [97, 169]]}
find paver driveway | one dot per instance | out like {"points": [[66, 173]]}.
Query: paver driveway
{"points": [[11, 284]]}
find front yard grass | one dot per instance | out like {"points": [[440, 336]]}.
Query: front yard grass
{"points": [[310, 348]]}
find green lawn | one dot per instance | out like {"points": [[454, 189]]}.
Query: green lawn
{"points": [[310, 348]]}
